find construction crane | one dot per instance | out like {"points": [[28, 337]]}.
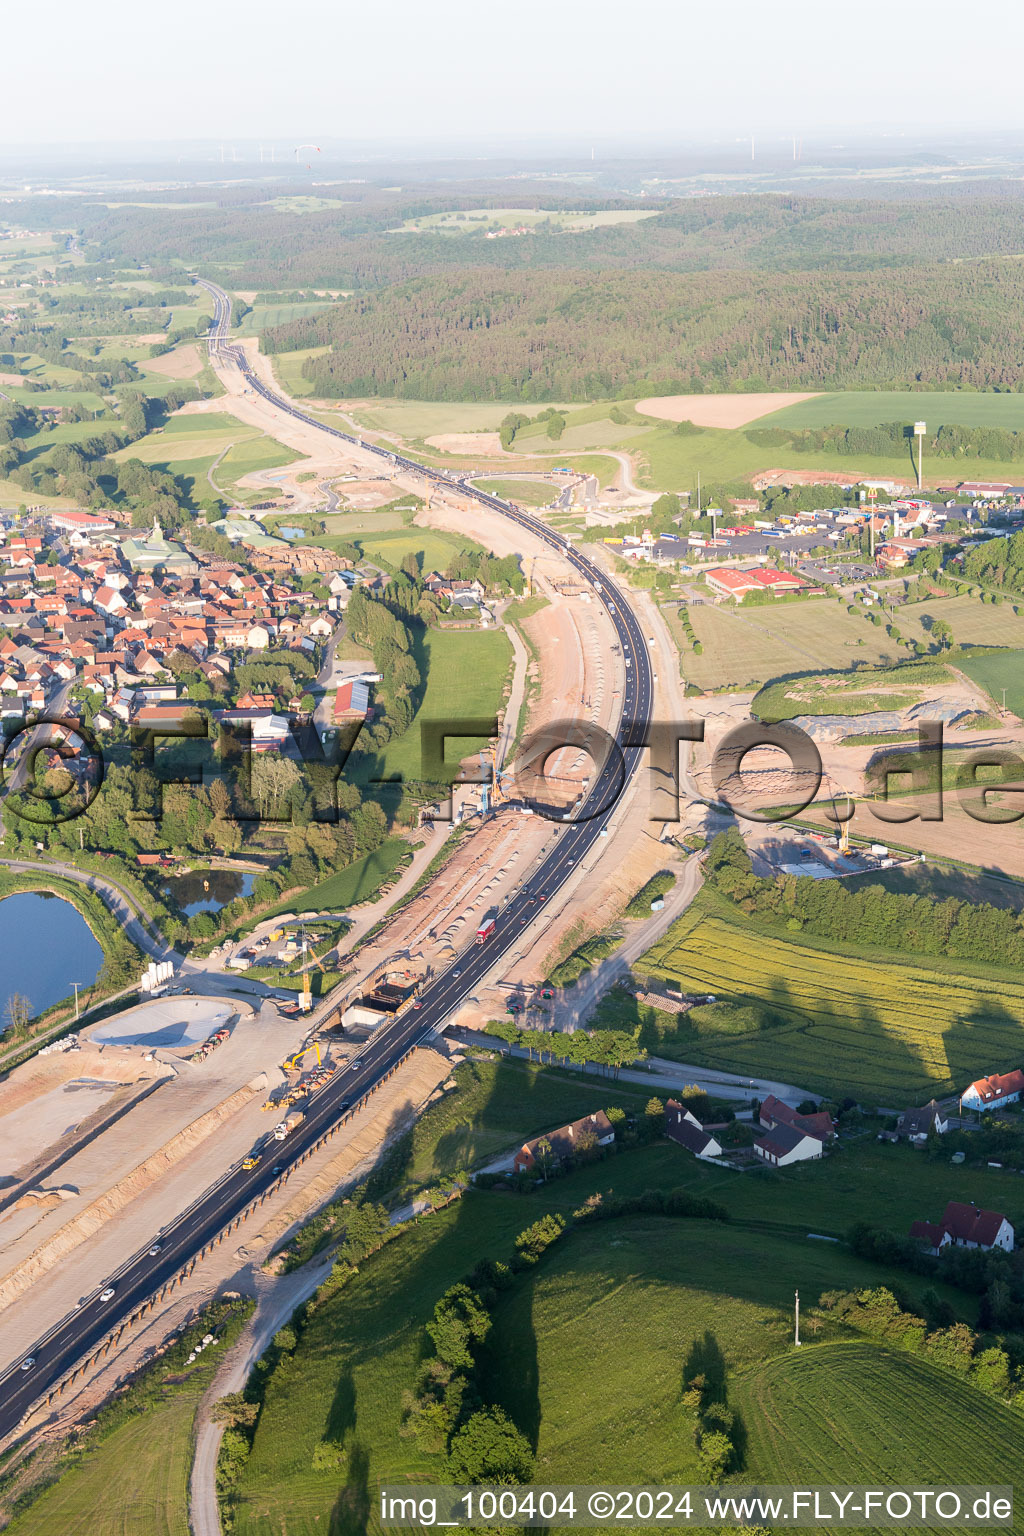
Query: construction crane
{"points": [[842, 822], [293, 1062], [306, 1001]]}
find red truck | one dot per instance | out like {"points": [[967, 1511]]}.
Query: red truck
{"points": [[486, 928]]}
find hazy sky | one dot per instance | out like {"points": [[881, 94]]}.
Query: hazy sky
{"points": [[433, 70]]}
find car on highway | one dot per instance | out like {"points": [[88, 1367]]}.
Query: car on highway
{"points": [[456, 975], [108, 1294], [250, 1162], [155, 1249], [417, 1003], [27, 1365]]}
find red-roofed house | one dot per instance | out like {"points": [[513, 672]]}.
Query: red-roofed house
{"points": [[785, 1144], [109, 601], [775, 1112], [995, 1091], [791, 1137], [965, 1226], [591, 1131]]}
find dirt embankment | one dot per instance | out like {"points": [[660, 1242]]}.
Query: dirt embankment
{"points": [[57, 1247]]}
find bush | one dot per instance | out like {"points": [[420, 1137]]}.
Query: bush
{"points": [[490, 1449]]}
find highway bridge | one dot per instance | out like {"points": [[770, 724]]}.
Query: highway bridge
{"points": [[76, 1336]]}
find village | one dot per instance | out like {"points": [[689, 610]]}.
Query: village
{"points": [[782, 1135]]}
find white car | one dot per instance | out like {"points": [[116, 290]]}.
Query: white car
{"points": [[108, 1294], [456, 975], [155, 1249], [27, 1365]]}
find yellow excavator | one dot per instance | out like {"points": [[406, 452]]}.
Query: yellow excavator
{"points": [[293, 1062]]}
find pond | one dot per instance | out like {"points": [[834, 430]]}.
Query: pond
{"points": [[289, 531], [45, 945], [207, 890]]}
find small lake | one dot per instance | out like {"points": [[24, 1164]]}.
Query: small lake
{"points": [[209, 890], [288, 531], [45, 945]]}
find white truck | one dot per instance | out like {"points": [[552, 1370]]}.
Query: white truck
{"points": [[287, 1125]]}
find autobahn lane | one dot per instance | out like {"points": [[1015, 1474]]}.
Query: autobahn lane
{"points": [[78, 1334]]}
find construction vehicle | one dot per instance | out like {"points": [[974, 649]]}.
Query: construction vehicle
{"points": [[252, 1161], [292, 1063]]}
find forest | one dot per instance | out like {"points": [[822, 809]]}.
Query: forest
{"points": [[572, 335], [709, 293], [259, 246]]}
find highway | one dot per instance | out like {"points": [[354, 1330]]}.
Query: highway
{"points": [[76, 1335]]}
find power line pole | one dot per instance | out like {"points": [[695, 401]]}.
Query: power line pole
{"points": [[796, 1319]]}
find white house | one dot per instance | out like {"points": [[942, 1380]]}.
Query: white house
{"points": [[108, 600], [995, 1091], [965, 1226], [687, 1130], [917, 1124], [786, 1144]]}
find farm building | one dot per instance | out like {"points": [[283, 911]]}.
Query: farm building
{"points": [[965, 1226], [352, 700], [590, 1132], [687, 1130], [786, 1144], [994, 1092]]}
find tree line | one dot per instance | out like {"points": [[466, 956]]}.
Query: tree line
{"points": [[870, 914], [890, 438]]}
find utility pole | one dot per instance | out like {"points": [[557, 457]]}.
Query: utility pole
{"points": [[919, 431], [698, 493], [76, 985], [796, 1319]]}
